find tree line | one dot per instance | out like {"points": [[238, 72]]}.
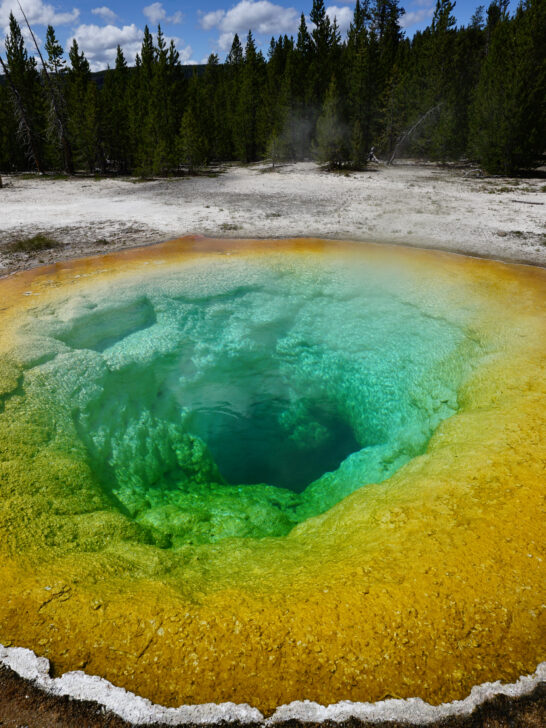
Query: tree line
{"points": [[476, 92]]}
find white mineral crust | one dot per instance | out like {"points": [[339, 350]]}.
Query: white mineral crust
{"points": [[140, 711]]}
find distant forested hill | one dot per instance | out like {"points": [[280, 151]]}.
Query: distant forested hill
{"points": [[476, 91], [98, 76]]}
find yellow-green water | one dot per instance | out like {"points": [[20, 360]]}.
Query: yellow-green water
{"points": [[262, 472]]}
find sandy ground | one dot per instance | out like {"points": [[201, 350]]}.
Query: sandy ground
{"points": [[408, 203]]}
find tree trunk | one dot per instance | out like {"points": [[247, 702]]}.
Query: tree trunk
{"points": [[407, 134], [63, 135]]}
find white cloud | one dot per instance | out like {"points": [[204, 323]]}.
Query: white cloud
{"points": [[213, 19], [344, 16], [156, 13], [186, 55], [265, 18], [37, 12], [416, 16], [105, 13], [29, 42], [224, 41], [260, 16], [99, 43]]}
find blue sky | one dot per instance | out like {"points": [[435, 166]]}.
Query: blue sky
{"points": [[198, 29]]}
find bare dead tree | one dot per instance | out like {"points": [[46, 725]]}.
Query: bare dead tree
{"points": [[409, 132], [24, 128], [56, 115]]}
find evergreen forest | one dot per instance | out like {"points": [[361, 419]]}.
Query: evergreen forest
{"points": [[476, 92]]}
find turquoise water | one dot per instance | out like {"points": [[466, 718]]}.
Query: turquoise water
{"points": [[238, 399], [251, 439]]}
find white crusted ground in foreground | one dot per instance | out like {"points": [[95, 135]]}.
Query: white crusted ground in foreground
{"points": [[141, 711], [412, 204]]}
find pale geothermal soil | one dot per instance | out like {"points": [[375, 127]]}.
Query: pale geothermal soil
{"points": [[415, 204]]}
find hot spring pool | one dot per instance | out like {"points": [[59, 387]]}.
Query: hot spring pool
{"points": [[269, 471]]}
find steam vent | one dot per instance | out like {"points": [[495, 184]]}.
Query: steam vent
{"points": [[265, 471]]}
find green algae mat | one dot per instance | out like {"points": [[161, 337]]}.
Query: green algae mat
{"points": [[264, 471]]}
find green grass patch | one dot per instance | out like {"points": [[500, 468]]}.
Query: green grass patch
{"points": [[33, 244]]}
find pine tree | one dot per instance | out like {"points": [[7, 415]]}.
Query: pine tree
{"points": [[190, 143], [176, 92], [141, 91], [299, 115], [443, 35], [359, 25], [321, 67], [26, 94], [79, 65], [246, 115], [53, 71], [115, 115], [235, 56], [530, 83], [365, 98], [289, 135], [10, 153], [331, 145], [477, 19], [508, 123], [91, 133], [442, 93], [213, 103], [234, 66], [302, 61], [441, 81], [78, 78], [403, 96], [270, 108], [55, 53], [467, 58], [160, 136], [363, 84], [386, 16]]}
